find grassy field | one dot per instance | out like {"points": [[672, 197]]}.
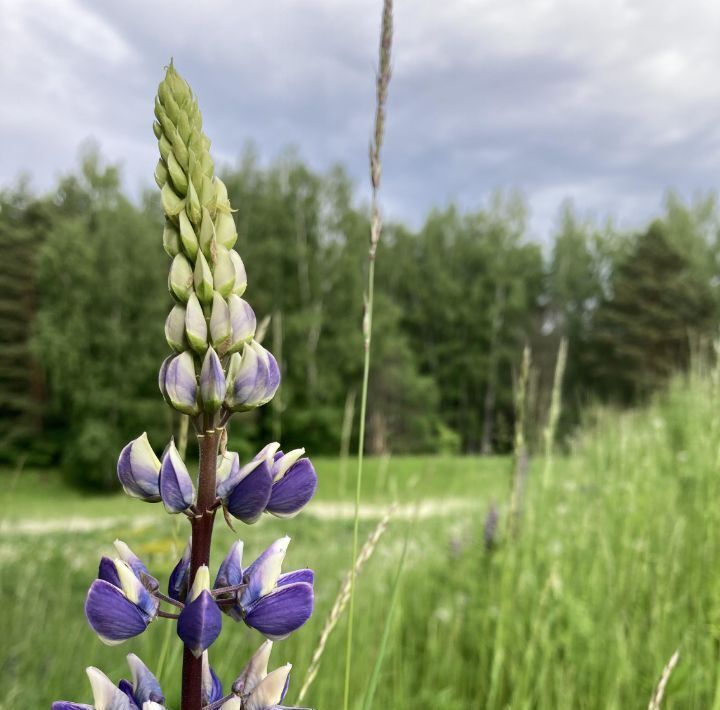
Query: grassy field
{"points": [[614, 568]]}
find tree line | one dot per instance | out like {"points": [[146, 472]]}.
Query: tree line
{"points": [[83, 297]]}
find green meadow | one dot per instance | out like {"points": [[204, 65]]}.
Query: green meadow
{"points": [[612, 567]]}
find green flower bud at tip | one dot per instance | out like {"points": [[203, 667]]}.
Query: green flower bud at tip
{"points": [[203, 279], [180, 279], [196, 325], [175, 329], [188, 237]]}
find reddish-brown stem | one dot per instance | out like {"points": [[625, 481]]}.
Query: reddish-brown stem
{"points": [[202, 528]]}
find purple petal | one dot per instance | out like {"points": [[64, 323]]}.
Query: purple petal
{"points": [[181, 383], [108, 572], [126, 687], [138, 469], [212, 689], [284, 610], [230, 572], [111, 614], [200, 623], [176, 486], [300, 575], [228, 473], [294, 490], [250, 496], [145, 685], [162, 376], [66, 705], [212, 382], [179, 581]]}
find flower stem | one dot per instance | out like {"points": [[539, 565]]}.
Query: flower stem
{"points": [[202, 528]]}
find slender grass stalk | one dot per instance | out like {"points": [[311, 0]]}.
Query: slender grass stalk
{"points": [[657, 696], [520, 453], [345, 434], [555, 408], [380, 656], [383, 81], [342, 599], [183, 427]]}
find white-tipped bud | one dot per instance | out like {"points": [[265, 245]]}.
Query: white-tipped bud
{"points": [[196, 325], [240, 275], [188, 237], [203, 280], [175, 329], [225, 272], [180, 279], [220, 330]]}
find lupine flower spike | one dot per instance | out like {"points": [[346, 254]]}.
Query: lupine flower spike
{"points": [[215, 367]]}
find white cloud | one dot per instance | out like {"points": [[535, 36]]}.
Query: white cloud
{"points": [[609, 101]]}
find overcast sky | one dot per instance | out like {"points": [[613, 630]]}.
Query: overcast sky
{"points": [[609, 102]]}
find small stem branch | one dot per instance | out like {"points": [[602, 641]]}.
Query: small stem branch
{"points": [[168, 600], [167, 614], [202, 528], [228, 590]]}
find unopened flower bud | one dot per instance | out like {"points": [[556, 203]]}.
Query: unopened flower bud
{"points": [[220, 328], [203, 279], [171, 239], [243, 323], [176, 486], [180, 279], [225, 231], [161, 173], [138, 470], [180, 384], [188, 237], [207, 235], [175, 329], [200, 620], [255, 378], [194, 208], [172, 203], [212, 382], [225, 272], [177, 175], [240, 275], [196, 325]]}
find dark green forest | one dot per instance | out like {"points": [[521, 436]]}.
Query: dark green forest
{"points": [[83, 297]]}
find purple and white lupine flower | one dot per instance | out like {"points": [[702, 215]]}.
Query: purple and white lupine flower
{"points": [[139, 470], [118, 605], [252, 378], [244, 491], [200, 621], [294, 482], [275, 604], [176, 487], [179, 383]]}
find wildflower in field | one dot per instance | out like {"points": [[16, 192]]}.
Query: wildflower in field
{"points": [[216, 368], [275, 604]]}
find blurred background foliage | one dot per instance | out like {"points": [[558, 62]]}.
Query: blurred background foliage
{"points": [[83, 298]]}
